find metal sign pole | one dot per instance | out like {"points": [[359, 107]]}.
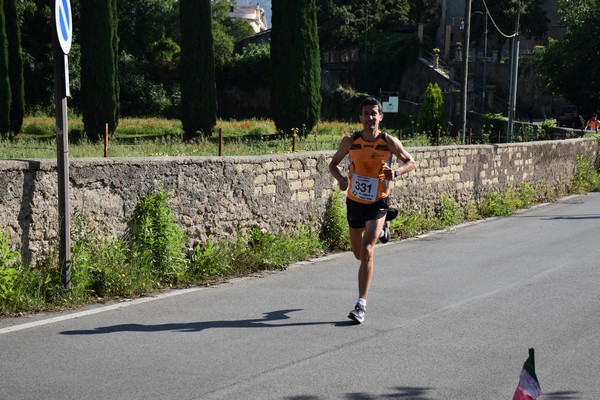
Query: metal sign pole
{"points": [[465, 72], [62, 143], [514, 77]]}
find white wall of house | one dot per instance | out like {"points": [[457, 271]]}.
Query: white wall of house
{"points": [[254, 15]]}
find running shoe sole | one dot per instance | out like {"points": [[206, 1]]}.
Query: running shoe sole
{"points": [[355, 317]]}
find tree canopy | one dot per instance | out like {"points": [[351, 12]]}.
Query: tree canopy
{"points": [[295, 67], [99, 90], [15, 66], [150, 38], [569, 67], [197, 69], [5, 93], [431, 116], [342, 23]]}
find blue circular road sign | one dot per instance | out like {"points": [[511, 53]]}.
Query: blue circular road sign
{"points": [[64, 24]]}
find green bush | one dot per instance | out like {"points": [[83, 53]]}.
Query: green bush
{"points": [[247, 69], [7, 255], [431, 114], [547, 126], [410, 224], [334, 231], [214, 259], [251, 252], [100, 267], [342, 104], [495, 125], [499, 203], [269, 251], [157, 243], [450, 213], [527, 133], [586, 177], [419, 140]]}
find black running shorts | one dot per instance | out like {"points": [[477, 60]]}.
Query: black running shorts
{"points": [[359, 213]]}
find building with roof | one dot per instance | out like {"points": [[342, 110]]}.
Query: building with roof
{"points": [[254, 15]]}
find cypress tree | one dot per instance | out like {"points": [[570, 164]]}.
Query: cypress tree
{"points": [[15, 66], [295, 66], [431, 115], [197, 69], [98, 67], [115, 38], [5, 93]]}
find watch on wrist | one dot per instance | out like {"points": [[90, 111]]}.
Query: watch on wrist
{"points": [[396, 174]]}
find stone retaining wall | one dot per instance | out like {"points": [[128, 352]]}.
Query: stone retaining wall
{"points": [[218, 196]]}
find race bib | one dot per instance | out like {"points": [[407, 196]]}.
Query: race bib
{"points": [[364, 187]]}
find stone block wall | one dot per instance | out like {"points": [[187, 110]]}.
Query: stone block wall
{"points": [[214, 196]]}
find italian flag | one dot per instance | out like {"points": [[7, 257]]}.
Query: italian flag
{"points": [[529, 387]]}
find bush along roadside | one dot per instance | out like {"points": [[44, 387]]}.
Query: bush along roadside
{"points": [[152, 255], [496, 203]]}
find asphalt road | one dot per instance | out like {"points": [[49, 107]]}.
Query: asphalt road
{"points": [[451, 315]]}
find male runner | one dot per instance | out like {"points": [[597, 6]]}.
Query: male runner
{"points": [[368, 188]]}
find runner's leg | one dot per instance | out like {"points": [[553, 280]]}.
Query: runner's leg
{"points": [[367, 248]]}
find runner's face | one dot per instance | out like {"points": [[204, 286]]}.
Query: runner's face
{"points": [[370, 118]]}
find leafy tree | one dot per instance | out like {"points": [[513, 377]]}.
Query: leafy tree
{"points": [[371, 28], [431, 115], [148, 47], [197, 69], [5, 93], [247, 69], [38, 73], [569, 67], [15, 66], [419, 10], [226, 31], [393, 53], [148, 57], [99, 97], [143, 25], [577, 12], [223, 44], [115, 58], [295, 66], [342, 23]]}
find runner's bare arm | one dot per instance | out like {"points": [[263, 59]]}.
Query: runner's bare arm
{"points": [[403, 155], [334, 168]]}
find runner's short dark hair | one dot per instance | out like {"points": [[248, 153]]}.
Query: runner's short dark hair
{"points": [[369, 101]]}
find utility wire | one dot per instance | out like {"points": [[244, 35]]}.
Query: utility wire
{"points": [[496, 26]]}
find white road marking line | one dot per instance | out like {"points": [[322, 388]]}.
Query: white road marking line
{"points": [[79, 314]]}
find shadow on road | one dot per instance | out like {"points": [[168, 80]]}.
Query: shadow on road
{"points": [[419, 393], [563, 395], [573, 217], [400, 392], [264, 322]]}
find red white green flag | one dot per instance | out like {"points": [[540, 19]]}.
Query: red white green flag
{"points": [[529, 387]]}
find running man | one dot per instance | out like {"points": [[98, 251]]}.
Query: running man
{"points": [[367, 201]]}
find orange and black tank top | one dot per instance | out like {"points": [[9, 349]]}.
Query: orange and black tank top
{"points": [[367, 183]]}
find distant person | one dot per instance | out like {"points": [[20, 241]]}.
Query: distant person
{"points": [[593, 124], [368, 185]]}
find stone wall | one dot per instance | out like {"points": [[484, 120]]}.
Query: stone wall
{"points": [[218, 196]]}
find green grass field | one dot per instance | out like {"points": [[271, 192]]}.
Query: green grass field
{"points": [[139, 137]]}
